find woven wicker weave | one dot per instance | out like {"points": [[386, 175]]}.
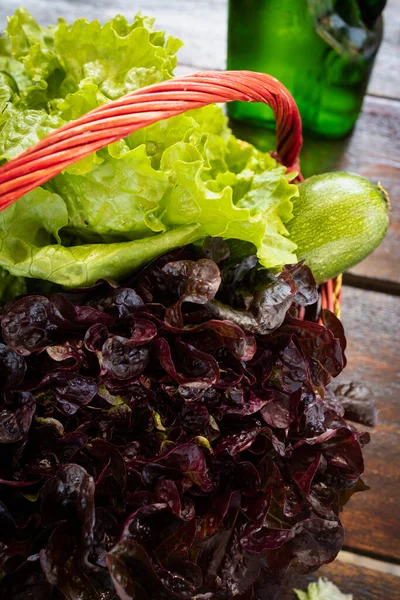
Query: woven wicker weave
{"points": [[135, 110]]}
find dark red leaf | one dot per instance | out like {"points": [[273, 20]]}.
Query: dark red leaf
{"points": [[194, 369], [189, 460], [167, 492], [217, 511], [133, 571], [123, 359], [95, 337], [304, 478], [306, 289], [12, 368], [16, 419], [216, 249], [238, 442], [178, 545], [71, 390], [281, 410]]}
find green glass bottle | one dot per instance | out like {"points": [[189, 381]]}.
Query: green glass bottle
{"points": [[322, 50]]}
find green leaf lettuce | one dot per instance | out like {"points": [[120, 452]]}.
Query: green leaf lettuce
{"points": [[322, 590], [167, 185]]}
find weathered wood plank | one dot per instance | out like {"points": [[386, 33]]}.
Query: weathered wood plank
{"points": [[382, 82], [202, 25], [364, 584], [372, 519], [374, 151]]}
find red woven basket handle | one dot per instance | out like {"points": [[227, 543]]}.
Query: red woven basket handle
{"points": [[119, 118]]}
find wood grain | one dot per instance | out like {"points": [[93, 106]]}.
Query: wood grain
{"points": [[382, 82], [364, 584], [374, 151], [372, 519]]}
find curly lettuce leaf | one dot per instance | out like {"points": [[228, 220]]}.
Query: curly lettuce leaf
{"points": [[322, 590], [33, 46], [112, 200], [23, 128], [118, 57], [6, 92], [166, 184]]}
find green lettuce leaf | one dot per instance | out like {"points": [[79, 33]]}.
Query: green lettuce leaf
{"points": [[111, 201], [33, 46], [30, 245], [83, 265], [31, 223], [173, 182], [118, 57], [322, 590], [23, 128]]}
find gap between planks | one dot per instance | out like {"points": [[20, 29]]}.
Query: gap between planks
{"points": [[383, 96], [372, 284], [366, 562]]}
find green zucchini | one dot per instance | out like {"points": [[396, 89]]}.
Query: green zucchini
{"points": [[339, 219]]}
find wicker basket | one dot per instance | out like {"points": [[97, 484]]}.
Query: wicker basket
{"points": [[145, 106]]}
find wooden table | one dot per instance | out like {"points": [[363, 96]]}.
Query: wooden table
{"points": [[371, 307]]}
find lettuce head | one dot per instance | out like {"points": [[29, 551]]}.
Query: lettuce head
{"points": [[167, 185]]}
